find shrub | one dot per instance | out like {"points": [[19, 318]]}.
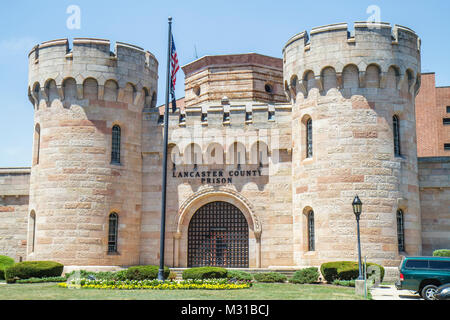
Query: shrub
{"points": [[270, 277], [120, 275], [172, 276], [442, 253], [345, 270], [205, 273], [103, 275], [33, 269], [42, 280], [5, 262], [344, 283], [144, 273], [239, 275], [308, 275]]}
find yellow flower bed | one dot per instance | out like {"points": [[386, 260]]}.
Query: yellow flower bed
{"points": [[151, 285]]}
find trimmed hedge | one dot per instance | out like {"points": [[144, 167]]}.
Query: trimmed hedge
{"points": [[132, 273], [308, 275], [270, 277], [344, 270], [442, 253], [205, 273], [239, 275], [344, 283], [42, 280], [102, 275], [5, 262], [143, 273], [33, 269]]}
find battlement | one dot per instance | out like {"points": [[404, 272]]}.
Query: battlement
{"points": [[363, 32], [90, 64], [373, 56], [228, 114], [90, 47]]}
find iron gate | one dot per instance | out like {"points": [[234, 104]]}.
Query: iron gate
{"points": [[218, 236]]}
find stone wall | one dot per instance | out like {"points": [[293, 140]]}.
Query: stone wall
{"points": [[265, 200], [14, 195], [351, 87], [79, 94], [212, 122], [434, 182]]}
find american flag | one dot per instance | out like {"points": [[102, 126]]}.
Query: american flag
{"points": [[175, 67]]}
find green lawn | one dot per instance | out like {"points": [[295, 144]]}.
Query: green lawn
{"points": [[259, 291]]}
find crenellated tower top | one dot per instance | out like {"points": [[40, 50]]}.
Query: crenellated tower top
{"points": [[382, 57], [89, 63]]}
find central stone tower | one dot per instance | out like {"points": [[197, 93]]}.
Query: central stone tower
{"points": [[86, 178], [353, 130]]}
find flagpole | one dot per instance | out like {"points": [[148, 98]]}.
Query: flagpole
{"points": [[164, 175]]}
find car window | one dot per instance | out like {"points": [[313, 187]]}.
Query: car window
{"points": [[417, 264], [440, 265]]}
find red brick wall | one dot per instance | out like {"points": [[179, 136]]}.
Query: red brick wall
{"points": [[443, 100], [431, 103]]}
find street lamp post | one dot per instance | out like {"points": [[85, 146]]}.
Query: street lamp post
{"points": [[357, 210]]}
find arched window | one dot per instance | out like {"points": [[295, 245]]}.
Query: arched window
{"points": [[309, 139], [112, 233], [311, 241], [115, 150], [396, 129], [33, 230], [400, 231]]}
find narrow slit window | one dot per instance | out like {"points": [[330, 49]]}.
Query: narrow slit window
{"points": [[115, 150], [226, 117], [309, 139], [400, 231], [396, 128], [112, 233], [182, 118], [311, 240]]}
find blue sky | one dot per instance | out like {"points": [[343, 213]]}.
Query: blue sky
{"points": [[208, 27]]}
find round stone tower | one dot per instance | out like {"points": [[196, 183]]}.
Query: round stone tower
{"points": [[353, 99], [85, 186]]}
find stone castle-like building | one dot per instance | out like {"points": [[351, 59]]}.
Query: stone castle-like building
{"points": [[267, 155]]}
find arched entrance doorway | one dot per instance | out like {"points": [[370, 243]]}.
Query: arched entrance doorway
{"points": [[218, 235]]}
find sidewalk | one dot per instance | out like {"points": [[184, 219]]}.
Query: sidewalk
{"points": [[384, 292]]}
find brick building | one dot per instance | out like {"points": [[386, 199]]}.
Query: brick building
{"points": [[433, 118]]}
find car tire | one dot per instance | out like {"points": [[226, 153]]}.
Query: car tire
{"points": [[428, 292]]}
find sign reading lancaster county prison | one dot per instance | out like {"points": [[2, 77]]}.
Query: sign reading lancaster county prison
{"points": [[216, 176]]}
